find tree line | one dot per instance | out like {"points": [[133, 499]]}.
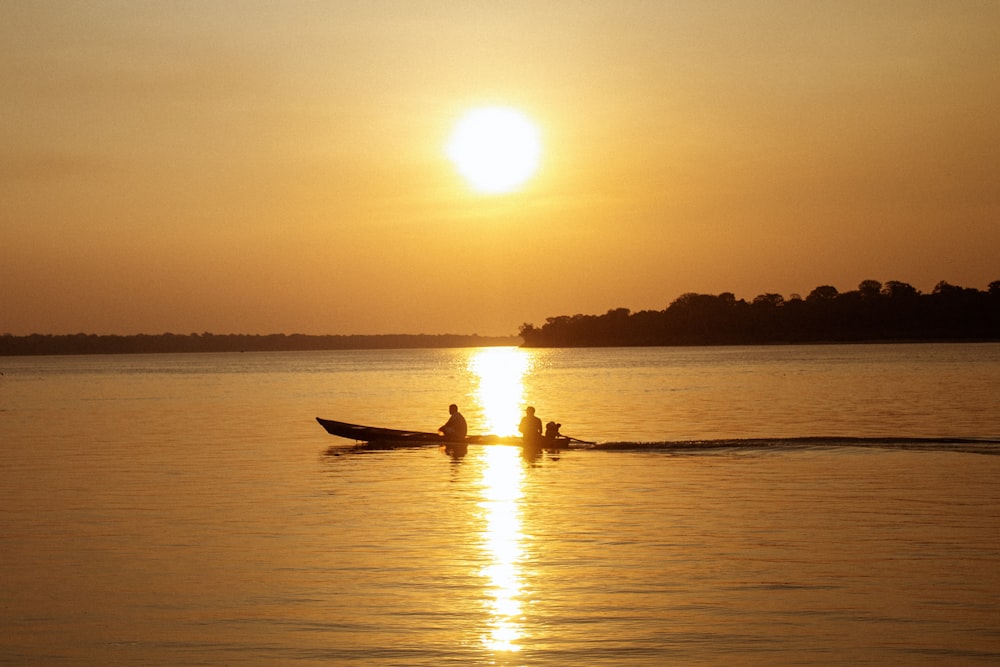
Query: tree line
{"points": [[39, 344], [894, 311]]}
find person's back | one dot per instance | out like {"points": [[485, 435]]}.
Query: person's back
{"points": [[455, 428], [530, 426]]}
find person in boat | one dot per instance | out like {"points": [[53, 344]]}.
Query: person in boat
{"points": [[455, 428], [530, 426], [552, 431]]}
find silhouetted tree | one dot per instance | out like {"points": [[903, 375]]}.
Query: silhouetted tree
{"points": [[875, 311], [897, 290], [870, 289], [823, 293], [768, 300]]}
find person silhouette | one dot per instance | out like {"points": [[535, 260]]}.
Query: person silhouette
{"points": [[455, 429], [530, 426]]}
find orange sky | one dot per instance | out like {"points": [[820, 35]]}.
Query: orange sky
{"points": [[268, 167]]}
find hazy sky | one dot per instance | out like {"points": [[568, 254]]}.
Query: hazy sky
{"points": [[267, 167]]}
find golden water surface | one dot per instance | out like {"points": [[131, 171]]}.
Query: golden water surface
{"points": [[188, 510]]}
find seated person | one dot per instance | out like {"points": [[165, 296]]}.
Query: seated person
{"points": [[530, 426], [455, 428]]}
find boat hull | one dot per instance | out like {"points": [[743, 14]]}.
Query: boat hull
{"points": [[399, 437]]}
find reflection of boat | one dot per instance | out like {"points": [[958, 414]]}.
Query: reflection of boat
{"points": [[372, 434]]}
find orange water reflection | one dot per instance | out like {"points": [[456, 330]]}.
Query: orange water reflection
{"points": [[500, 373], [502, 539]]}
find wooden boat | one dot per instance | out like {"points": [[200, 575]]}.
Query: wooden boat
{"points": [[373, 434]]}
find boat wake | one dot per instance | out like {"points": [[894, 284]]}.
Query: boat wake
{"points": [[963, 445]]}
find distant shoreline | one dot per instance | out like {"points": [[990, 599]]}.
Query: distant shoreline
{"points": [[84, 344], [91, 344], [895, 312]]}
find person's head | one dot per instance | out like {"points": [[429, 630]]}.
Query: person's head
{"points": [[530, 411], [452, 408]]}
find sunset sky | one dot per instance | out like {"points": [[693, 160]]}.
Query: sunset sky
{"points": [[281, 167]]}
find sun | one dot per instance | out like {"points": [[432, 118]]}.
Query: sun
{"points": [[496, 149]]}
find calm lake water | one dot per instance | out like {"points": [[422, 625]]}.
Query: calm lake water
{"points": [[745, 505]]}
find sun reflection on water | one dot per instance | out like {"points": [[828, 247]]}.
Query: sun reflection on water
{"points": [[500, 373], [502, 541]]}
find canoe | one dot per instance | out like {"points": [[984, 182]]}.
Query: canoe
{"points": [[370, 434]]}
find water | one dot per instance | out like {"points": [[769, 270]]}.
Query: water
{"points": [[768, 505]]}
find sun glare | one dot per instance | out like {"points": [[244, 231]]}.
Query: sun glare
{"points": [[496, 149], [500, 372], [502, 493]]}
